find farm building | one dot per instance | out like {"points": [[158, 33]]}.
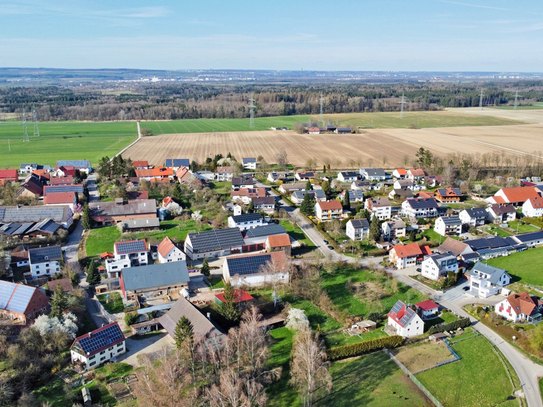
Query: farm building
{"points": [[21, 302], [110, 213]]}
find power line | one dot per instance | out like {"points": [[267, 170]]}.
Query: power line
{"points": [[25, 127]]}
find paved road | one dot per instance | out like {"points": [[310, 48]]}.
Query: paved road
{"points": [[94, 311]]}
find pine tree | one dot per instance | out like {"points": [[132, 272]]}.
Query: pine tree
{"points": [[59, 302], [229, 308], [183, 330], [307, 207], [346, 200], [93, 275], [251, 207], [86, 219], [308, 185], [375, 230], [205, 268]]}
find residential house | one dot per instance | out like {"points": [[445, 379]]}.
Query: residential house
{"points": [[186, 177], [205, 176], [455, 247], [21, 302], [343, 130], [154, 280], [28, 168], [373, 174], [434, 181], [448, 226], [501, 213], [247, 270], [405, 321], [133, 195], [249, 163], [290, 188], [448, 194], [242, 182], [155, 174], [55, 189], [521, 307], [416, 174], [281, 242], [225, 173], [393, 229], [176, 163], [379, 207], [63, 171], [278, 176], [81, 165], [515, 196], [362, 185], [473, 217], [401, 194], [110, 213], [19, 256], [255, 239], [405, 184], [246, 195], [314, 130], [486, 280], [213, 243], [99, 346], [436, 266], [355, 195], [132, 182], [61, 215], [140, 165], [317, 195], [347, 176], [328, 210], [202, 327], [409, 255], [304, 176], [427, 309], [246, 221], [45, 261], [61, 198], [264, 204], [420, 208], [127, 254], [399, 173], [8, 175], [531, 239], [357, 229], [533, 207], [31, 188], [67, 180], [169, 252]]}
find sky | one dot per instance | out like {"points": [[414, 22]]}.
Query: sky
{"points": [[359, 35]]}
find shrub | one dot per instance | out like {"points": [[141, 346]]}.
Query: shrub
{"points": [[452, 326], [375, 316], [355, 349], [131, 317]]}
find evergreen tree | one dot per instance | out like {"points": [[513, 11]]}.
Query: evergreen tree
{"points": [[346, 200], [324, 169], [104, 168], [205, 268], [375, 230], [183, 330], [86, 219], [326, 188], [229, 308], [307, 207], [59, 302], [93, 275], [251, 207], [308, 185]]}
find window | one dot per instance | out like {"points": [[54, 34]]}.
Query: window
{"points": [[92, 357], [92, 364], [101, 353]]}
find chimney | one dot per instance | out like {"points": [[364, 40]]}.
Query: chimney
{"points": [[209, 316]]}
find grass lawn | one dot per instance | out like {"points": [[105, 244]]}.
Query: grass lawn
{"points": [[523, 266], [297, 233], [445, 318], [496, 230], [431, 234], [466, 382], [64, 141], [53, 393], [522, 228], [340, 339], [115, 303], [216, 282]]}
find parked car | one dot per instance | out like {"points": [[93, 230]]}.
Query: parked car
{"points": [[325, 241]]}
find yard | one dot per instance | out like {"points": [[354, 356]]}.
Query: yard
{"points": [[422, 356], [522, 227], [444, 318], [112, 302], [295, 232], [523, 266], [473, 380], [340, 338], [215, 282], [496, 230]]}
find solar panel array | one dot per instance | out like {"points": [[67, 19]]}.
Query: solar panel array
{"points": [[33, 213], [63, 188], [489, 243], [74, 163], [247, 265], [397, 307], [360, 223], [247, 217], [20, 298], [422, 203], [133, 246], [267, 230], [177, 162], [96, 341], [530, 236], [407, 316], [41, 254], [6, 290], [216, 239]]}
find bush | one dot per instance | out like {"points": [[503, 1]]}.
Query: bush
{"points": [[131, 317], [355, 349], [375, 316], [453, 326]]}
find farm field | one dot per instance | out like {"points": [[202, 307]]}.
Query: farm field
{"points": [[63, 141], [344, 151], [524, 266]]}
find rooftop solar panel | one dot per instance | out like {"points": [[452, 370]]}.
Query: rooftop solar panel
{"points": [[6, 290], [33, 213], [41, 254], [134, 246], [247, 265], [247, 217], [397, 307], [63, 188], [74, 163], [20, 298], [216, 239], [267, 230], [526, 237], [97, 341]]}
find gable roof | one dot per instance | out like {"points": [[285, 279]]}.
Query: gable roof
{"points": [[177, 162], [131, 246], [219, 239], [401, 171], [247, 217], [33, 185], [330, 205], [419, 203], [373, 172], [19, 298], [224, 170], [454, 192], [401, 313], [137, 207], [476, 212], [154, 172], [437, 258], [528, 237], [379, 202], [9, 174], [239, 294], [59, 198], [264, 200], [279, 240], [518, 194], [42, 254], [65, 283], [536, 202], [248, 160], [500, 209], [96, 341], [347, 174], [495, 273], [251, 263], [165, 247], [34, 213], [408, 250], [450, 220], [360, 223], [522, 303], [74, 163], [77, 188], [155, 275], [142, 163], [67, 180], [417, 172], [266, 230], [427, 305]]}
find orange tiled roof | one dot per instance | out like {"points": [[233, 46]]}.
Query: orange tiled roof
{"points": [[519, 194], [522, 303], [330, 205], [279, 240], [165, 246], [409, 250]]}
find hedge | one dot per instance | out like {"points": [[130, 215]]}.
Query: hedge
{"points": [[453, 326], [355, 349]]}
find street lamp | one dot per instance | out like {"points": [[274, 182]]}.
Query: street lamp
{"points": [[514, 337]]}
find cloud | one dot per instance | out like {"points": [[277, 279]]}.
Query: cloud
{"points": [[459, 3], [144, 12]]}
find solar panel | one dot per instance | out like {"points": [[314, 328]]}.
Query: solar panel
{"points": [[407, 316], [133, 246], [216, 239], [267, 230], [63, 188], [247, 217], [20, 298], [32, 213], [247, 265], [6, 290], [96, 341], [74, 163], [397, 307], [41, 254], [530, 236]]}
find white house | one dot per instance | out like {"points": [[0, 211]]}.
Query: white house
{"points": [[361, 185], [249, 163], [420, 208], [328, 210], [473, 216], [427, 309], [448, 226], [533, 208], [373, 174], [317, 195], [264, 204], [169, 252], [247, 270], [246, 221], [409, 255], [486, 280], [501, 213], [393, 229], [358, 229], [416, 174], [399, 173], [304, 176], [379, 207], [405, 184], [127, 254], [99, 346], [45, 261], [530, 239], [355, 195], [439, 265], [347, 176], [519, 307], [224, 173], [405, 320]]}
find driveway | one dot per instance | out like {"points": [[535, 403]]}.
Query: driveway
{"points": [[150, 344]]}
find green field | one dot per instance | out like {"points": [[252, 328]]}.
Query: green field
{"points": [[526, 266], [113, 304], [473, 381], [63, 141], [366, 120]]}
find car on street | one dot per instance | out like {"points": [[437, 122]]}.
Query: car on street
{"points": [[330, 247], [466, 288], [325, 241], [419, 270]]}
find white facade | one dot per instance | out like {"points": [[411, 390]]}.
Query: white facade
{"points": [[347, 176], [473, 218], [486, 281], [173, 255], [414, 327], [533, 208], [418, 212], [393, 229], [98, 359], [114, 266], [513, 310], [438, 265], [249, 163], [355, 232], [380, 207], [46, 268], [448, 226], [245, 224]]}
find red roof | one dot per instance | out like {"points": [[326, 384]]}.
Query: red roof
{"points": [[241, 296], [330, 205], [427, 305], [536, 202], [409, 250], [165, 247], [166, 201], [9, 174], [92, 335], [279, 240], [419, 172], [519, 194], [401, 171], [426, 251], [154, 172], [107, 255], [67, 180], [138, 164], [59, 198]]}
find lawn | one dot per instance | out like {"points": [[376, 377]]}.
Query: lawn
{"points": [[421, 356], [64, 141], [522, 228], [52, 393], [365, 120], [432, 235], [444, 318], [525, 266], [216, 282], [294, 231], [340, 339], [113, 304], [496, 230], [466, 382]]}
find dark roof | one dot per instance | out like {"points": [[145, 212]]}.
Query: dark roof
{"points": [[267, 230], [177, 162], [248, 160], [78, 188], [243, 180], [247, 217], [132, 246], [404, 193], [99, 339], [141, 223], [492, 242], [210, 240], [154, 275], [476, 212], [42, 254], [499, 209], [422, 203], [47, 226], [344, 130], [74, 163], [451, 220], [252, 263], [360, 223], [137, 207], [374, 172], [401, 313], [447, 191], [264, 200], [34, 185], [349, 173], [527, 237]]}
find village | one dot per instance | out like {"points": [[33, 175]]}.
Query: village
{"points": [[123, 257]]}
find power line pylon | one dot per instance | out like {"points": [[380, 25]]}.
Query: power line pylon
{"points": [[402, 102], [35, 120], [25, 127], [252, 113]]}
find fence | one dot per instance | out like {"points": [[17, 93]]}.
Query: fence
{"points": [[445, 362], [414, 379]]}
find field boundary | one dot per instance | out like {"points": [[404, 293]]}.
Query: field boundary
{"points": [[131, 144], [413, 379], [445, 362]]}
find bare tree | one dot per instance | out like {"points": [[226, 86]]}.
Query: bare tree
{"points": [[281, 158], [274, 274], [309, 368]]}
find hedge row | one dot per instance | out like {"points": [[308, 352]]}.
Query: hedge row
{"points": [[355, 349], [453, 326], [534, 221]]}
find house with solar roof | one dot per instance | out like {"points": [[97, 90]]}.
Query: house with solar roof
{"points": [[45, 261], [255, 239], [21, 302], [169, 252], [81, 165], [420, 208], [61, 214], [132, 253], [247, 269], [99, 346], [404, 321], [357, 229], [246, 221], [249, 163], [213, 243]]}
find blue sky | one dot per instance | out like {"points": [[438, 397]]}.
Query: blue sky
{"points": [[439, 35]]}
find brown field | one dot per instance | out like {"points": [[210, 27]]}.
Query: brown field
{"points": [[379, 147], [423, 356], [527, 116]]}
